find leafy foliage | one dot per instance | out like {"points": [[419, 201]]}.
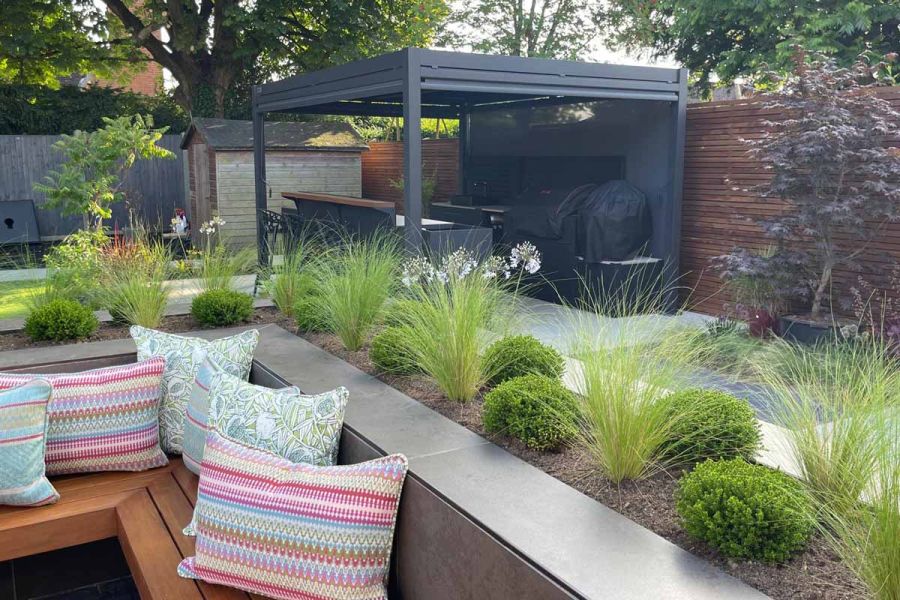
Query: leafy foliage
{"points": [[547, 29], [711, 424], [517, 355], [75, 265], [535, 409], [41, 40], [831, 172], [390, 353], [59, 320], [731, 38], [221, 307], [212, 46], [90, 180], [34, 110], [744, 510]]}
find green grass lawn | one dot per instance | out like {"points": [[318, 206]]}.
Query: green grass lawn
{"points": [[14, 296]]}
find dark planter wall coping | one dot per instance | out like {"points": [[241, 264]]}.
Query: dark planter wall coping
{"points": [[586, 547]]}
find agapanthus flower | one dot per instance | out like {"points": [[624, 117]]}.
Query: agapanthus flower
{"points": [[527, 256]]}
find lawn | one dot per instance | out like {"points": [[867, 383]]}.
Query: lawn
{"points": [[14, 296]]}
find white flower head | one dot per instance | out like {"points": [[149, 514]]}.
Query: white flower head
{"points": [[527, 255]]}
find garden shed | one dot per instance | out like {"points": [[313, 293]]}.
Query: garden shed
{"points": [[304, 156]]}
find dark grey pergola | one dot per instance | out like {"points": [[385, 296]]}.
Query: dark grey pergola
{"points": [[414, 83]]}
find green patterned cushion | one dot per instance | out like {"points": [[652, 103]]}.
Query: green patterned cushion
{"points": [[183, 356], [302, 429]]}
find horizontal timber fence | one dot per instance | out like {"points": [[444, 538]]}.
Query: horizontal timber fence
{"points": [[153, 188], [382, 170], [717, 214]]}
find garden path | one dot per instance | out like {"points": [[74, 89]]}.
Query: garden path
{"points": [[552, 324]]}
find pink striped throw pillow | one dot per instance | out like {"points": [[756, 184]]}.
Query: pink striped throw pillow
{"points": [[294, 531], [102, 420]]}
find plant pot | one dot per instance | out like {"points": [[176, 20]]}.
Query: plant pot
{"points": [[443, 238], [761, 322], [803, 330]]}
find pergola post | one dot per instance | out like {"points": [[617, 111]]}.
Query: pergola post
{"points": [[463, 142], [412, 152], [259, 178]]}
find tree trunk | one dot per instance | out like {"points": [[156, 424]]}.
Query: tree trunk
{"points": [[821, 288]]}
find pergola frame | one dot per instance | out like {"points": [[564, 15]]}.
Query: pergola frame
{"points": [[414, 83]]}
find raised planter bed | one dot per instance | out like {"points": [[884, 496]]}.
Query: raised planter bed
{"points": [[649, 502], [475, 521]]}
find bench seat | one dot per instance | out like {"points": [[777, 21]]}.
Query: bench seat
{"points": [[146, 511]]}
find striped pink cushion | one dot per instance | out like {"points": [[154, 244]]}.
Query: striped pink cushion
{"points": [[102, 420], [294, 531]]}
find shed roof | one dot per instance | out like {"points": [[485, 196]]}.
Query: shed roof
{"points": [[227, 134]]}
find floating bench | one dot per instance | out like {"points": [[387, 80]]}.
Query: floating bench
{"points": [[474, 521], [145, 511]]}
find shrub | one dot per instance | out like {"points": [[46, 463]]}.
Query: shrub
{"points": [[60, 320], [218, 308], [535, 409], [710, 424], [390, 352], [517, 355], [744, 510]]}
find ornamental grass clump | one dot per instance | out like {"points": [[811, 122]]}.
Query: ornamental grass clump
{"points": [[352, 284], [538, 410], [59, 320], [389, 352], [134, 283], [517, 355], [290, 280], [219, 264], [867, 537], [744, 510], [711, 424], [829, 399], [627, 368], [449, 307]]}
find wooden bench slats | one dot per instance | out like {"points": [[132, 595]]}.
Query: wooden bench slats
{"points": [[146, 511], [176, 511], [30, 531], [151, 552]]}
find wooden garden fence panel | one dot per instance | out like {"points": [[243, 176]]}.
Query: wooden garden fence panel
{"points": [[382, 165], [153, 188], [717, 214]]}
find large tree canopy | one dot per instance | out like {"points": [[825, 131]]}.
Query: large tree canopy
{"points": [[41, 40], [210, 45], [731, 38], [542, 28]]}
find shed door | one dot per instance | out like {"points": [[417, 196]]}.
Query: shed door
{"points": [[201, 190]]}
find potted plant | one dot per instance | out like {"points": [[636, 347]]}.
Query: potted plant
{"points": [[757, 293], [833, 179]]}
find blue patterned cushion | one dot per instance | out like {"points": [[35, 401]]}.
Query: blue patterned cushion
{"points": [[23, 429]]}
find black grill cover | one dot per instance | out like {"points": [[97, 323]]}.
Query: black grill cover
{"points": [[616, 220]]}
